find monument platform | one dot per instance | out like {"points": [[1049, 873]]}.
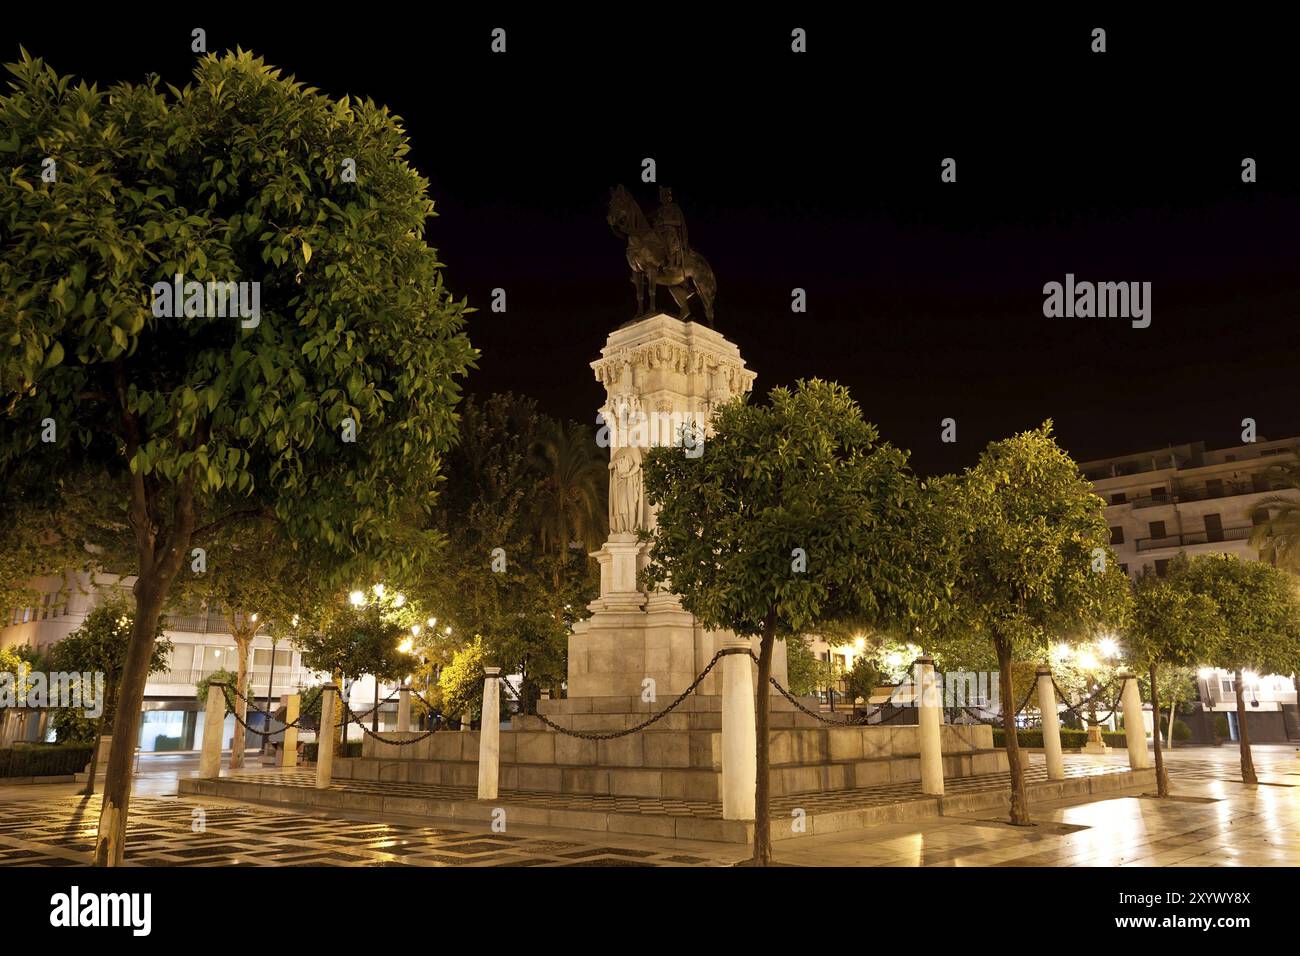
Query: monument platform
{"points": [[829, 812], [680, 761]]}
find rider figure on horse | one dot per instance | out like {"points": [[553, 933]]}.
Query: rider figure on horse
{"points": [[671, 226]]}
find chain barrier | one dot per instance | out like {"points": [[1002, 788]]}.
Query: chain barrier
{"points": [[851, 722], [382, 739], [1077, 709], [613, 735], [998, 721], [303, 707]]}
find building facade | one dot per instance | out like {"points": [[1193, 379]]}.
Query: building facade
{"points": [[201, 646], [1188, 499]]}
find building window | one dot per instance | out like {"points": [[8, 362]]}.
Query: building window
{"points": [[1124, 568], [1118, 498], [1157, 529], [1259, 516], [1117, 535], [1226, 685], [1160, 494], [1162, 567]]}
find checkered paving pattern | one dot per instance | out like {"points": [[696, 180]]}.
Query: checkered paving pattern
{"points": [[822, 802], [188, 832]]}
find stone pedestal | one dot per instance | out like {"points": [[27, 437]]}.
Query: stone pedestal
{"points": [[929, 719], [404, 709], [663, 378], [1135, 731], [289, 751], [325, 739], [489, 737], [1051, 725], [1096, 743], [214, 719]]}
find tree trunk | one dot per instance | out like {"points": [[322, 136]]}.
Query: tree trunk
{"points": [[1247, 764], [1019, 799], [762, 785], [1162, 777], [240, 741], [89, 789], [1169, 736], [110, 842]]}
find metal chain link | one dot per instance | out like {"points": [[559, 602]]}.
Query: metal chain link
{"points": [[588, 735], [249, 705], [1077, 709], [998, 721], [852, 722], [382, 739]]}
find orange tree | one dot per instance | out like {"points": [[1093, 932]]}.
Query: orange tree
{"points": [[1035, 562], [328, 406], [795, 516]]}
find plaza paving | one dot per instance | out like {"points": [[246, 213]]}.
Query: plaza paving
{"points": [[1213, 820]]}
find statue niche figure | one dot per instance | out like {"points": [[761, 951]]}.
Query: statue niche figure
{"points": [[659, 254], [625, 490]]}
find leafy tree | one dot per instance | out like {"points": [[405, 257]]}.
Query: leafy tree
{"points": [[862, 679], [1278, 538], [573, 477], [504, 577], [1035, 562], [795, 516], [802, 672], [335, 402], [219, 676], [257, 579], [1258, 624], [460, 686], [1174, 627], [100, 645]]}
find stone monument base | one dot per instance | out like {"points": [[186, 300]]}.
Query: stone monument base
{"points": [[680, 761]]}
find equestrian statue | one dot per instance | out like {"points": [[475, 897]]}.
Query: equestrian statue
{"points": [[659, 254]]}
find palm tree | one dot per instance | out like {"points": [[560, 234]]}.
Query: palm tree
{"points": [[1278, 537], [572, 511]]}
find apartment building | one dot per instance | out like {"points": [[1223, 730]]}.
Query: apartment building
{"points": [[202, 645], [1188, 499]]}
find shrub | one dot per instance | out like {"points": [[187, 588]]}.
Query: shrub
{"points": [[1070, 738], [44, 760], [1221, 729], [351, 749]]}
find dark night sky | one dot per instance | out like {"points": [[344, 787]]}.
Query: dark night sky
{"points": [[822, 172]]}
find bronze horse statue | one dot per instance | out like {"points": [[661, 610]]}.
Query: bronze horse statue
{"points": [[657, 260]]}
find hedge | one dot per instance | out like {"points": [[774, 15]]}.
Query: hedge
{"points": [[353, 749], [1070, 738], [44, 760]]}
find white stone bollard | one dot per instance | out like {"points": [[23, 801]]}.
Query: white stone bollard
{"points": [[404, 709], [1051, 725], [489, 736], [325, 738], [466, 721], [739, 737], [214, 719], [1135, 733], [929, 719], [289, 752]]}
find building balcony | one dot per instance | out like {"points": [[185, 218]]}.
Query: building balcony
{"points": [[1194, 537]]}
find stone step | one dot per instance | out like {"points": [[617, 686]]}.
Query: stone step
{"points": [[828, 813], [693, 783]]}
